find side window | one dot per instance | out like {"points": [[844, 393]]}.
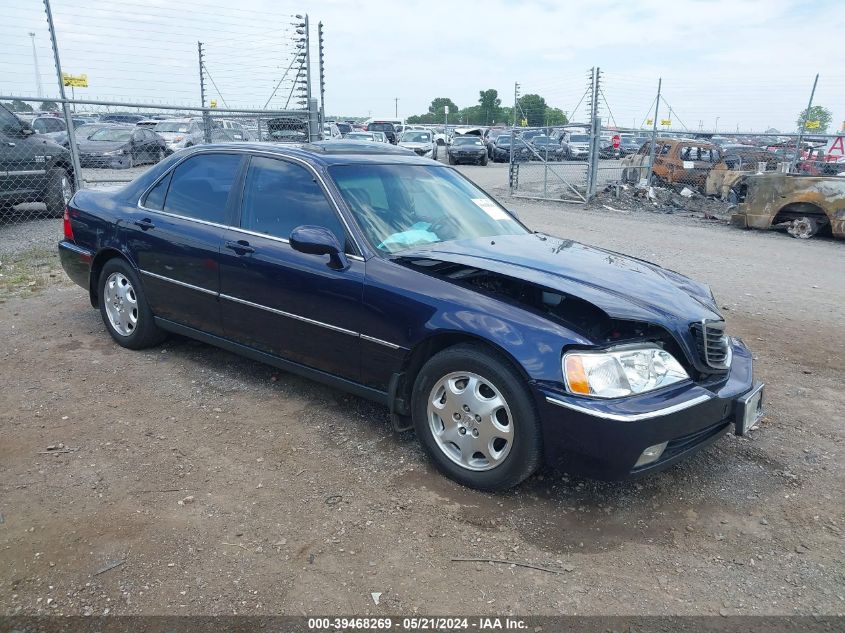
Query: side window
{"points": [[199, 187], [665, 149], [155, 198], [280, 196], [9, 123], [645, 149]]}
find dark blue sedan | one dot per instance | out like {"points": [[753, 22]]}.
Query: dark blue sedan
{"points": [[399, 280]]}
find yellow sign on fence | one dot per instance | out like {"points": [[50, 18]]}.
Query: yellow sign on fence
{"points": [[666, 122], [813, 125], [649, 121], [76, 81], [214, 103]]}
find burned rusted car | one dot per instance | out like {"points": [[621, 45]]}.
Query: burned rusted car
{"points": [[803, 205], [684, 161], [727, 178]]}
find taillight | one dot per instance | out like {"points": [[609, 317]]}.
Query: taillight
{"points": [[67, 228]]}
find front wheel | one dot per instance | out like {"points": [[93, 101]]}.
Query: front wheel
{"points": [[804, 227], [484, 160], [124, 307], [475, 418], [451, 161]]}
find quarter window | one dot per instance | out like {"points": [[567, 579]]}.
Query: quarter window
{"points": [[155, 198], [280, 196], [200, 187]]}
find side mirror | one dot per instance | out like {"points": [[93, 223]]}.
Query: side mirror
{"points": [[316, 240]]}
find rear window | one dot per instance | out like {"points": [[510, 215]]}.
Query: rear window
{"points": [[200, 187], [382, 127]]}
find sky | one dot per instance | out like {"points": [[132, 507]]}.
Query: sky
{"points": [[724, 64]]}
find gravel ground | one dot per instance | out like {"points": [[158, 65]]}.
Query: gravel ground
{"points": [[194, 481]]}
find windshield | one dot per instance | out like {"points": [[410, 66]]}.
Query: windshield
{"points": [[401, 206], [362, 136], [416, 137], [172, 127], [111, 134], [579, 138], [503, 139], [384, 127], [84, 131], [467, 140], [344, 128], [542, 140]]}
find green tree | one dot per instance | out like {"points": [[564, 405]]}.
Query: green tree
{"points": [[556, 116], [21, 106], [438, 106], [49, 106], [489, 104], [816, 113], [533, 108]]}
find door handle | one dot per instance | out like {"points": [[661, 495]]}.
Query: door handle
{"points": [[241, 247], [145, 224]]}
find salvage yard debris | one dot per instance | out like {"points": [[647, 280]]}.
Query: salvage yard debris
{"points": [[669, 199]]}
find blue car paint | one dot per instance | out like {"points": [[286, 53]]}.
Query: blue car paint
{"points": [[382, 310]]}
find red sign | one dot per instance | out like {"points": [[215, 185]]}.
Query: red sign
{"points": [[616, 141]]}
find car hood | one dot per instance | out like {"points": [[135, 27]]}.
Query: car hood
{"points": [[623, 287], [471, 148], [414, 145], [172, 136], [100, 146]]}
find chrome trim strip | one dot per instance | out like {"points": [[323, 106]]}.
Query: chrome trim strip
{"points": [[27, 172], [290, 315], [179, 283], [373, 339], [631, 417], [75, 248]]}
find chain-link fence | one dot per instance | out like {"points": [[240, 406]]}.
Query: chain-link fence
{"points": [[572, 161]]}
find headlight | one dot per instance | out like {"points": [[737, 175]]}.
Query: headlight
{"points": [[116, 152], [624, 372]]}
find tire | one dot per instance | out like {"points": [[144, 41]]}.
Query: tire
{"points": [[514, 446], [451, 161], [124, 308], [160, 154], [58, 191], [131, 161], [484, 160]]}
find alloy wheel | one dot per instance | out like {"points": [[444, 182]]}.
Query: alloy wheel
{"points": [[121, 304], [470, 421]]}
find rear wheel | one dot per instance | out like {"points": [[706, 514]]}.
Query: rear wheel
{"points": [[484, 160], [475, 418], [58, 192], [451, 161], [804, 227], [124, 307]]}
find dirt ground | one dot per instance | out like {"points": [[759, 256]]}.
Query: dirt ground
{"points": [[187, 480]]}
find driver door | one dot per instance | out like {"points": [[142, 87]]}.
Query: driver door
{"points": [[279, 300]]}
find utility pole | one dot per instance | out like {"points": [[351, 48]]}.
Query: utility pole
{"points": [[515, 102], [654, 131], [396, 107], [39, 90], [313, 134], [322, 73], [804, 124], [206, 121], [74, 151]]}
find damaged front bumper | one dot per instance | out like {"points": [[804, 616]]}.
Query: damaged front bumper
{"points": [[627, 437]]}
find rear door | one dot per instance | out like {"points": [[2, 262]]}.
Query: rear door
{"points": [[279, 300], [175, 236], [22, 158]]}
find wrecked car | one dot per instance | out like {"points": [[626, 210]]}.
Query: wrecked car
{"points": [[397, 279], [727, 178], [803, 205], [675, 161]]}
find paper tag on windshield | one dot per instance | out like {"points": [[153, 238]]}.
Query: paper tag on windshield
{"points": [[688, 164], [490, 208]]}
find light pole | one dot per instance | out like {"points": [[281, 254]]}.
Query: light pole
{"points": [[716, 129], [38, 89]]}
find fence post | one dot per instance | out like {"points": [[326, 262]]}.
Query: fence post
{"points": [[313, 120], [595, 134], [71, 136], [654, 131], [803, 126], [206, 119], [512, 174]]}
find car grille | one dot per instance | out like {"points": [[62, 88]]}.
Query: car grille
{"points": [[712, 344]]}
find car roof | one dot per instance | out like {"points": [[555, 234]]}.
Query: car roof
{"points": [[326, 153]]}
